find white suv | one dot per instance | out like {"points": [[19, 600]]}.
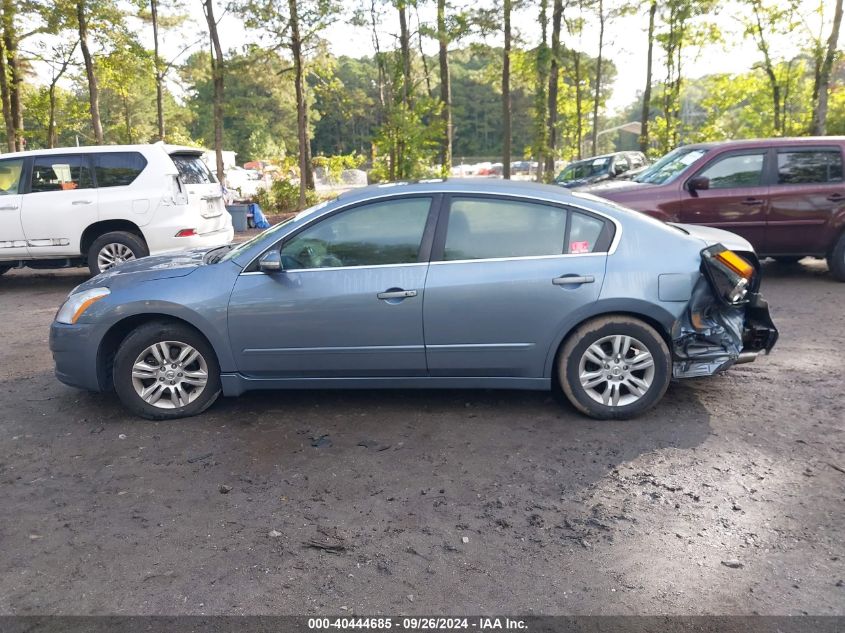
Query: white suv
{"points": [[106, 204]]}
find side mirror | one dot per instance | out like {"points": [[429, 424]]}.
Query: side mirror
{"points": [[699, 183], [271, 262]]}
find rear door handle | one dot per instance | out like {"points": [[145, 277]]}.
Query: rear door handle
{"points": [[836, 197], [752, 202], [9, 207], [397, 294], [566, 280], [81, 202]]}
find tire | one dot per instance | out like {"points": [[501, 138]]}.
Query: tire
{"points": [[120, 246], [836, 260], [788, 260], [619, 379], [138, 369]]}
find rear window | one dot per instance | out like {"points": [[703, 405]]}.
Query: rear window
{"points": [[192, 170], [817, 166], [117, 169]]}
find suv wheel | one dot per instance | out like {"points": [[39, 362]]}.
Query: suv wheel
{"points": [[614, 367], [111, 249], [836, 259], [164, 371]]}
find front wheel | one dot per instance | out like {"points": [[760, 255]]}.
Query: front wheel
{"points": [[164, 371], [614, 367]]}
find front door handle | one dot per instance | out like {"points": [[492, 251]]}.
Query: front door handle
{"points": [[836, 197], [566, 280], [9, 207], [81, 202], [396, 294], [752, 202]]}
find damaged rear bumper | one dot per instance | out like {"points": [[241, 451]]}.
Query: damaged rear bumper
{"points": [[714, 333]]}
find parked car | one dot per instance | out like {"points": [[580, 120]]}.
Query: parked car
{"points": [[99, 206], [600, 168], [458, 284], [786, 196]]}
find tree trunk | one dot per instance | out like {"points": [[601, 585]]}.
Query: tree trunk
{"points": [[51, 124], [445, 88], [646, 113], [506, 93], [405, 51], [306, 176], [819, 125], [7, 106], [598, 79], [217, 81], [93, 90], [579, 114], [768, 67], [554, 73], [541, 97], [15, 77], [159, 76]]}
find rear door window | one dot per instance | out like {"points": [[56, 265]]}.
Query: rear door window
{"points": [[810, 166], [192, 169], [117, 169], [60, 173], [10, 176], [586, 234], [736, 170], [484, 228]]}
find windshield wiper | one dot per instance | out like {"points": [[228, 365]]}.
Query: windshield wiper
{"points": [[215, 255]]}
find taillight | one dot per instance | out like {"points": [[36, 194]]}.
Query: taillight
{"points": [[186, 233]]}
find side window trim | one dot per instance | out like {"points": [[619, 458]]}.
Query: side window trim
{"points": [[425, 245], [788, 149]]}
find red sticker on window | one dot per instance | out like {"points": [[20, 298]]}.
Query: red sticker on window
{"points": [[579, 247]]}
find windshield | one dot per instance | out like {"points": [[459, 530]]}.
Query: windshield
{"points": [[585, 169], [670, 166], [245, 246]]}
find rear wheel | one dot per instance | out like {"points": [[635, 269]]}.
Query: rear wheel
{"points": [[836, 259], [111, 249], [614, 367], [164, 371]]}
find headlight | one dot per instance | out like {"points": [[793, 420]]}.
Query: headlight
{"points": [[78, 303]]}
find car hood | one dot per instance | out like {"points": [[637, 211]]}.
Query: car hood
{"points": [[711, 236], [168, 265], [615, 185]]}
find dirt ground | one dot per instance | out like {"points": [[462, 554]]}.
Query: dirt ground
{"points": [[728, 498]]}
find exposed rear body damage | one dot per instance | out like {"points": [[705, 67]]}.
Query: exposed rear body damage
{"points": [[726, 321]]}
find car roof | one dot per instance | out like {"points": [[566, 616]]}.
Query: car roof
{"points": [[768, 142], [82, 149], [460, 185]]}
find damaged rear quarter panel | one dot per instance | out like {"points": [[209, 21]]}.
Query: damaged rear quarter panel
{"points": [[668, 278]]}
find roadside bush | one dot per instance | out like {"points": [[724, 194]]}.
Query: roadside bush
{"points": [[283, 197]]}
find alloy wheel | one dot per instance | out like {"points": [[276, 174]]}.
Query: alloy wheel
{"points": [[113, 254], [616, 370], [169, 375]]}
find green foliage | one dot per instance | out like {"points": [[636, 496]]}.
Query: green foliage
{"points": [[333, 166], [283, 197]]}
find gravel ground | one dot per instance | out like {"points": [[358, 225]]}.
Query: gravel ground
{"points": [[728, 498]]}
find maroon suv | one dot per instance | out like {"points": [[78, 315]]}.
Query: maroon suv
{"points": [[786, 196]]}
